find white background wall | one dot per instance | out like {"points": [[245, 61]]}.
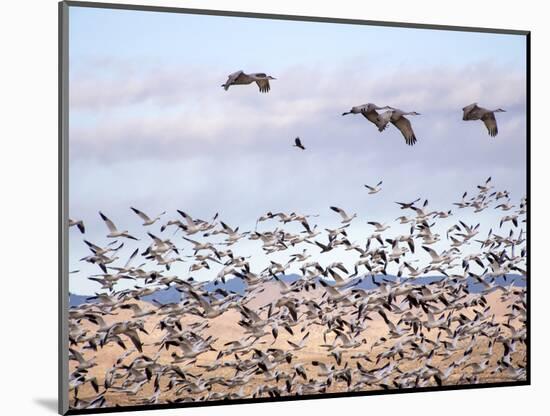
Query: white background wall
{"points": [[28, 139]]}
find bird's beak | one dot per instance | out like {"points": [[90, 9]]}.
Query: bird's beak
{"points": [[345, 113]]}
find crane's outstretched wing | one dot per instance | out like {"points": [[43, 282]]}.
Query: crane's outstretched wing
{"points": [[263, 85], [231, 79], [404, 126], [491, 123]]}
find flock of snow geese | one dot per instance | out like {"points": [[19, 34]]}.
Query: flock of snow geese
{"points": [[386, 318], [369, 111]]}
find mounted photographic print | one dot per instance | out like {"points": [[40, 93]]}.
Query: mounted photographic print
{"points": [[266, 207]]}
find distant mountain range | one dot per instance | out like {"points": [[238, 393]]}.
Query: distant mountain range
{"points": [[236, 285]]}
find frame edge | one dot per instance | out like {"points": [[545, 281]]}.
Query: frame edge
{"points": [[63, 287], [63, 120], [302, 18]]}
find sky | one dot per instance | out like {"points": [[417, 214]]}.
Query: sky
{"points": [[150, 126]]}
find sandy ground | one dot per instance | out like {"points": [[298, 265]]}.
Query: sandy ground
{"points": [[226, 328]]}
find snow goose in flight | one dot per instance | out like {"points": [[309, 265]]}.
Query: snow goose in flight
{"points": [[474, 112], [146, 219], [192, 226], [79, 224], [397, 252], [406, 205], [436, 258], [505, 206], [404, 219], [398, 119], [469, 231], [512, 218], [483, 189], [374, 189], [443, 214], [334, 294], [346, 219], [83, 364], [197, 246], [300, 345], [136, 309], [113, 232], [421, 214], [378, 227], [241, 78], [339, 281]]}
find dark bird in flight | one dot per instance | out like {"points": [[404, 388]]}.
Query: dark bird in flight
{"points": [[298, 143]]}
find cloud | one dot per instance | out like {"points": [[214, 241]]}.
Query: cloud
{"points": [[102, 85], [172, 114]]}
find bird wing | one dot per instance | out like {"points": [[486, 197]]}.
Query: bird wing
{"points": [[131, 258], [293, 344], [336, 276], [204, 304], [431, 252], [263, 84], [155, 238], [227, 227], [187, 218], [191, 241], [383, 119], [331, 290], [77, 355], [141, 214], [466, 227], [419, 211], [133, 306], [339, 211], [232, 78], [491, 123], [108, 222], [470, 112], [344, 337], [372, 116], [250, 314], [134, 337], [79, 224], [404, 126]]}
